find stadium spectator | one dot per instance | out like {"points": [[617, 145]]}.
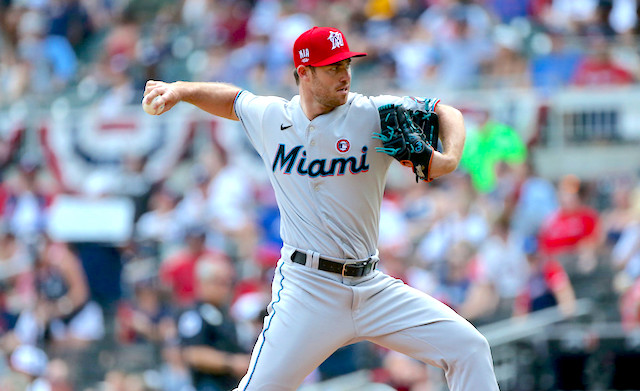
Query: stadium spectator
{"points": [[69, 19], [598, 68], [134, 182], [414, 55], [267, 218], [420, 206], [117, 84], [571, 15], [348, 360], [28, 200], [177, 272], [393, 241], [463, 54], [193, 209], [252, 293], [122, 38], [406, 373], [626, 261], [229, 206], [16, 279], [618, 215], [459, 216], [503, 264], [500, 198], [51, 59], [625, 258], [64, 314], [157, 226], [574, 229], [547, 284], [460, 286], [145, 317], [14, 75], [601, 20], [533, 200], [553, 68], [174, 372], [207, 332], [102, 263], [509, 68], [441, 16], [456, 277]]}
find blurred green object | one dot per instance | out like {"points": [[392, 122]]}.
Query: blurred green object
{"points": [[487, 146]]}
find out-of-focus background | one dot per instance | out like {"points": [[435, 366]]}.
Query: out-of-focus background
{"points": [[112, 221]]}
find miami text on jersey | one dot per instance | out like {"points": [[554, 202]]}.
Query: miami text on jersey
{"points": [[318, 167]]}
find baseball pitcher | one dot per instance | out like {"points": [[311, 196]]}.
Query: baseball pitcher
{"points": [[327, 152]]}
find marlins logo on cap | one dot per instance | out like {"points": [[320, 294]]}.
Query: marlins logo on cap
{"points": [[322, 46], [336, 39]]}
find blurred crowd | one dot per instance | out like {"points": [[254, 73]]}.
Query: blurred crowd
{"points": [[185, 295], [107, 49]]}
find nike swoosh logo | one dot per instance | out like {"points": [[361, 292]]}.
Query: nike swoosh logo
{"points": [[282, 127]]}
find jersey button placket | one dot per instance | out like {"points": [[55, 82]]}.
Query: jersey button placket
{"points": [[312, 143]]}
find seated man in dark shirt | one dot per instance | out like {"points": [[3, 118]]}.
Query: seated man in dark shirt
{"points": [[208, 334]]}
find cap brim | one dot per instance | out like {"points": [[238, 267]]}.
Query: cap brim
{"points": [[336, 58]]}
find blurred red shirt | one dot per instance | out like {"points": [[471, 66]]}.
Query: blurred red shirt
{"points": [[178, 273], [597, 73], [566, 229]]}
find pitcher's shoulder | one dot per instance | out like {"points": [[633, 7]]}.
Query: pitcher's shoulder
{"points": [[361, 102], [368, 102], [250, 104], [247, 96]]}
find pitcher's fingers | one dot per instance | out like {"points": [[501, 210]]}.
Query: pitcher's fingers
{"points": [[150, 86], [150, 95]]}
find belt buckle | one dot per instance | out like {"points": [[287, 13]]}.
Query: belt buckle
{"points": [[362, 265], [346, 265]]}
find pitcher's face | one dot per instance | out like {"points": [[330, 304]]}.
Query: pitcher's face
{"points": [[330, 84]]}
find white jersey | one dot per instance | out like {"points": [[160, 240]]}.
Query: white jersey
{"points": [[327, 176], [329, 181]]}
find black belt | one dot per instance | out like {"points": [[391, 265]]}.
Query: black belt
{"points": [[356, 269]]}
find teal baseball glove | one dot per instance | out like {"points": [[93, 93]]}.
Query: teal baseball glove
{"points": [[409, 136]]}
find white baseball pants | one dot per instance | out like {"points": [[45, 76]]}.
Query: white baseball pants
{"points": [[313, 313]]}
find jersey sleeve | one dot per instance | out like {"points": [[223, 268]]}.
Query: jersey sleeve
{"points": [[250, 109]]}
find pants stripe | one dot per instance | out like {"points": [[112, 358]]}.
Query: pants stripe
{"points": [[273, 306]]}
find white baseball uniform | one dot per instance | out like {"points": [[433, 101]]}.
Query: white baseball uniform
{"points": [[329, 183]]}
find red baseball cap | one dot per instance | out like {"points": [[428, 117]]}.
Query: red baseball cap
{"points": [[322, 46]]}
